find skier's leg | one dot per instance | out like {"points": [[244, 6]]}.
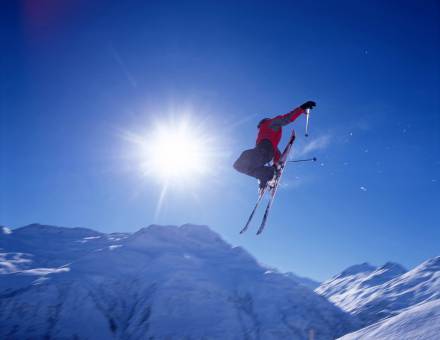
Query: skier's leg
{"points": [[263, 172], [252, 162], [246, 162]]}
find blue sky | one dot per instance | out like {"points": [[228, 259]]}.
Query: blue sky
{"points": [[78, 77]]}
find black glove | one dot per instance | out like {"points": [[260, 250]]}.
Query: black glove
{"points": [[308, 105]]}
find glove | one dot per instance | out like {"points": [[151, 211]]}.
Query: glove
{"points": [[308, 105]]}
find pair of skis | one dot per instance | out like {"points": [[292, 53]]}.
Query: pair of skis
{"points": [[271, 189]]}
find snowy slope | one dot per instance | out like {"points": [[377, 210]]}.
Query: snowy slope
{"points": [[162, 282], [419, 322], [375, 293], [305, 281]]}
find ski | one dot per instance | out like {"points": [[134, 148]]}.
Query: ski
{"points": [[260, 196], [274, 189], [269, 205]]}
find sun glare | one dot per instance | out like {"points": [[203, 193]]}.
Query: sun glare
{"points": [[176, 152], [176, 155]]}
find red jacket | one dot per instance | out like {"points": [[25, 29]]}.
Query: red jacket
{"points": [[271, 129]]}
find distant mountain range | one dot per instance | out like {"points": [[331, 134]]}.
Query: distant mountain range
{"points": [[394, 303], [375, 293], [162, 282]]}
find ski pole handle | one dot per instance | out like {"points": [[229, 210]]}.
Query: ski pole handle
{"points": [[307, 122]]}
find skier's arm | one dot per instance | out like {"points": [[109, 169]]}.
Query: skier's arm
{"points": [[282, 120]]}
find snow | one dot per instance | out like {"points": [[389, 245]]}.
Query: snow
{"points": [[91, 238], [311, 284], [45, 271], [6, 231], [114, 246], [40, 280], [187, 282], [418, 322], [162, 282], [385, 291], [13, 262]]}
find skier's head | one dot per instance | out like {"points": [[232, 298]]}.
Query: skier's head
{"points": [[262, 121]]}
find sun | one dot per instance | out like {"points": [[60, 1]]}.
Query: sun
{"points": [[175, 153]]}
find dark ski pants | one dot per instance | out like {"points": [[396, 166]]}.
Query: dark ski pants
{"points": [[253, 162]]}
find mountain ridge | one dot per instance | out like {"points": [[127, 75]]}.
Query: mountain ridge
{"points": [[384, 292], [159, 281]]}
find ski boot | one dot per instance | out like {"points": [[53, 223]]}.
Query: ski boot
{"points": [[269, 183], [273, 181]]}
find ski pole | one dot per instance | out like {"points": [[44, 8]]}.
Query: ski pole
{"points": [[307, 122], [314, 159]]}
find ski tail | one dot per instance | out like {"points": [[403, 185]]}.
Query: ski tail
{"points": [[266, 214], [260, 196]]}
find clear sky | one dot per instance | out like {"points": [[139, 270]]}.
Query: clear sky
{"points": [[79, 79]]}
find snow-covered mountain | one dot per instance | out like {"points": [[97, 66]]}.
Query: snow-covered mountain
{"points": [[305, 281], [48, 246], [375, 293], [162, 282], [421, 321]]}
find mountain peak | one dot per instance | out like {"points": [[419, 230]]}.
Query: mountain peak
{"points": [[390, 264], [156, 228], [385, 291], [177, 238], [36, 228], [201, 232], [358, 269], [432, 264], [387, 272], [196, 227], [393, 267]]}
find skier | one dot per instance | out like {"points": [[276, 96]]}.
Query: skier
{"points": [[253, 162]]}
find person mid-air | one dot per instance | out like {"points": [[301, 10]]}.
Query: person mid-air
{"points": [[254, 162]]}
